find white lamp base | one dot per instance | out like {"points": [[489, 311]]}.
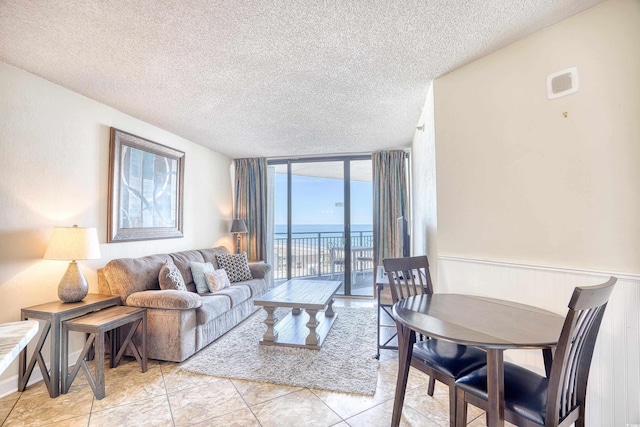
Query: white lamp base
{"points": [[73, 286]]}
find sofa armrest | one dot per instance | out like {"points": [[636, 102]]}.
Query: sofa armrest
{"points": [[103, 283], [259, 270], [165, 299]]}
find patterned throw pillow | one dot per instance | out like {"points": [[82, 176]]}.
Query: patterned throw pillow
{"points": [[170, 278], [235, 265], [217, 280], [198, 269]]}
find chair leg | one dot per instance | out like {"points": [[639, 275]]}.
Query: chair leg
{"points": [[580, 422], [461, 408], [432, 386], [452, 405], [406, 339]]}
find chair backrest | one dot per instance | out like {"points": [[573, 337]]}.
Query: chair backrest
{"points": [[408, 276], [336, 252], [572, 359]]}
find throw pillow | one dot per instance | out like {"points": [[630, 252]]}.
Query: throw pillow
{"points": [[170, 278], [217, 280], [198, 269], [236, 266]]}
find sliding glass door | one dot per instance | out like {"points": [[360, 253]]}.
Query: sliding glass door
{"points": [[361, 228], [322, 221]]}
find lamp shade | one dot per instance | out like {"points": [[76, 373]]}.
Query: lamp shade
{"points": [[238, 226], [73, 243]]}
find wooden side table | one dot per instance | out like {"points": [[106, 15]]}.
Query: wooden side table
{"points": [[98, 325], [54, 313]]}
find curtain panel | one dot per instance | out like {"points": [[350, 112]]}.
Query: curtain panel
{"points": [[251, 205], [389, 203]]}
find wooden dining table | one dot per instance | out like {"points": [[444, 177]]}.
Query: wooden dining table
{"points": [[492, 324]]}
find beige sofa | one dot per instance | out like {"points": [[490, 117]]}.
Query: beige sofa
{"points": [[181, 323]]}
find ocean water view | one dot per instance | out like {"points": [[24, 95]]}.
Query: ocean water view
{"points": [[312, 230], [314, 248]]}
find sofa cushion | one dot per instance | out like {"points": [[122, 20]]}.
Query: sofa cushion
{"points": [[236, 266], [183, 260], [169, 300], [170, 278], [129, 275], [210, 254], [257, 286], [199, 269], [238, 293], [217, 280], [259, 270], [212, 307]]}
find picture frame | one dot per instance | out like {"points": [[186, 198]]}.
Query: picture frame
{"points": [[146, 181]]}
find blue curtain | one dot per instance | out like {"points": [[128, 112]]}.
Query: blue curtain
{"points": [[389, 203], [251, 205]]}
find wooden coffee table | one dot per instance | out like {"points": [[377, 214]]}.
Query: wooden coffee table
{"points": [[294, 330]]}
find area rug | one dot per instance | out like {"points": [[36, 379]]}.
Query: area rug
{"points": [[345, 363]]}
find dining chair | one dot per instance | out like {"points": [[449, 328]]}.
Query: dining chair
{"points": [[441, 360], [558, 400], [336, 258], [364, 261]]}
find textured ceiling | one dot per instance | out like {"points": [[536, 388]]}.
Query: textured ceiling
{"points": [[266, 78]]}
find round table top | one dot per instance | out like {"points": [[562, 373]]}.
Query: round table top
{"points": [[479, 321]]}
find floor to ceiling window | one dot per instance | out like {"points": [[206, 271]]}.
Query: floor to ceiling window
{"points": [[321, 221]]}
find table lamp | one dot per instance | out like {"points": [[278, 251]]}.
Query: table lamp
{"points": [[71, 244], [238, 226]]}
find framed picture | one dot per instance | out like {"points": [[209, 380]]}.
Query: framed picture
{"points": [[145, 189]]}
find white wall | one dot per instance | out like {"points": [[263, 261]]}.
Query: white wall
{"points": [[54, 147], [516, 179], [531, 203], [424, 215]]}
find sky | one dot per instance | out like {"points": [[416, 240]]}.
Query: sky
{"points": [[320, 200]]}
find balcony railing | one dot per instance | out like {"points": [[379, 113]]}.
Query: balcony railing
{"points": [[316, 254]]}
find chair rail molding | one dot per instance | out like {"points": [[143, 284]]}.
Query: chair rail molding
{"points": [[614, 380], [568, 270]]}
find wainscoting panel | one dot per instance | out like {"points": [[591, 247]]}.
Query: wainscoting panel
{"points": [[614, 382]]}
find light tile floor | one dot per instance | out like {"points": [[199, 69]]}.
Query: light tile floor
{"points": [[167, 396]]}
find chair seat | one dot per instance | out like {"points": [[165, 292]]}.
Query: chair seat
{"points": [[449, 358], [525, 392]]}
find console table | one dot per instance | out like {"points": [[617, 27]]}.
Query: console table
{"points": [[54, 313]]}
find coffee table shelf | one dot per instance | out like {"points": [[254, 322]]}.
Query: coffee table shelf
{"points": [[292, 330], [297, 329]]}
